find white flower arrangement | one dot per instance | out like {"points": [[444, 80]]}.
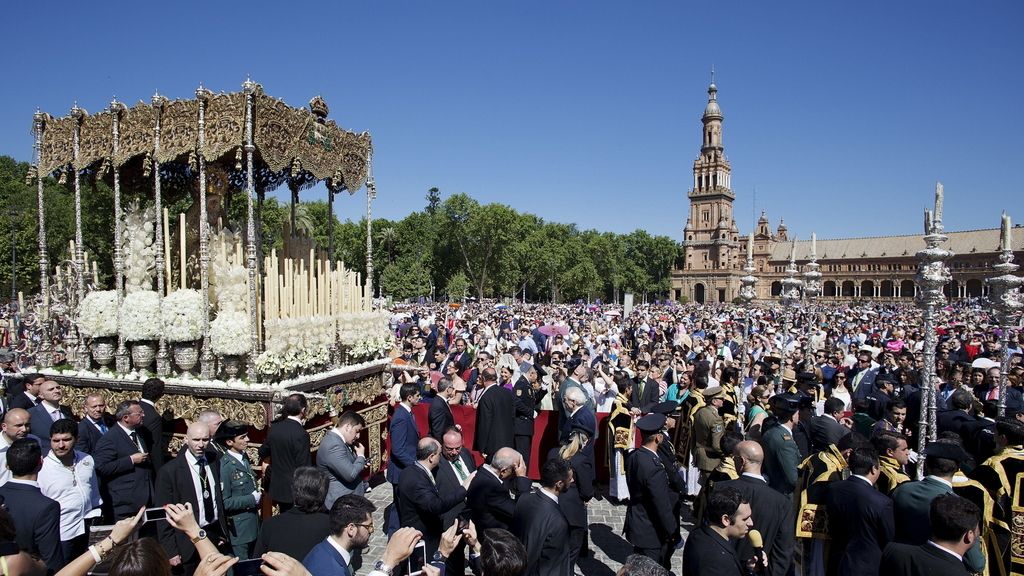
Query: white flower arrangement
{"points": [[366, 333], [230, 285], [139, 251], [182, 315], [229, 333], [97, 316], [296, 344], [140, 316]]}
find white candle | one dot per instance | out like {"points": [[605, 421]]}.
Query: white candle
{"points": [[181, 256], [21, 302], [938, 203], [95, 275], [927, 221], [1005, 235]]}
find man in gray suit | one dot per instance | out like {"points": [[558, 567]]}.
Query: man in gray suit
{"points": [[343, 458]]}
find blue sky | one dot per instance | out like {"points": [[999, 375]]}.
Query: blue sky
{"points": [[840, 115]]}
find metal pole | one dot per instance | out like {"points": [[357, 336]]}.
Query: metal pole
{"points": [[250, 87], [1006, 299], [812, 289], [43, 357], [14, 277], [747, 294], [932, 277], [163, 359], [371, 193], [121, 359], [81, 358], [207, 364], [790, 296]]}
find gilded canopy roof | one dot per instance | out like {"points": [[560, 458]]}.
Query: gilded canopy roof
{"points": [[300, 138]]}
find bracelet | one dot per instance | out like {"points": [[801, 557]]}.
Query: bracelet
{"points": [[96, 556]]}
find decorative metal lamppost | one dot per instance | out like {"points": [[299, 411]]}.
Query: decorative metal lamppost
{"points": [[1006, 299], [812, 289], [932, 277], [747, 295], [790, 296]]}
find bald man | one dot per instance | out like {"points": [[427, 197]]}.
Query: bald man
{"points": [[420, 503], [192, 478], [770, 511], [15, 426]]}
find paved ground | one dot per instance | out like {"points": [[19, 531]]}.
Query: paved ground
{"points": [[608, 548]]}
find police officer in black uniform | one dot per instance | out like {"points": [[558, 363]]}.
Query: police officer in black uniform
{"points": [[528, 394], [651, 526]]}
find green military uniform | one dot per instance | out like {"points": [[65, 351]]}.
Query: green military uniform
{"points": [[238, 484], [1002, 476], [911, 507], [708, 428], [891, 475], [781, 459]]}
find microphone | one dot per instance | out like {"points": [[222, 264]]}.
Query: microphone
{"points": [[758, 543]]}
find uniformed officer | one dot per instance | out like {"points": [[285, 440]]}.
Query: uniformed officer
{"points": [[667, 453], [650, 525], [1000, 475], [527, 401], [782, 456], [893, 455], [239, 487], [708, 428]]}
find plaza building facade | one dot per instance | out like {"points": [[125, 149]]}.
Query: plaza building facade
{"points": [[876, 268]]}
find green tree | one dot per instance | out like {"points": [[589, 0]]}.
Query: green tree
{"points": [[457, 286], [406, 278], [483, 236], [433, 200]]}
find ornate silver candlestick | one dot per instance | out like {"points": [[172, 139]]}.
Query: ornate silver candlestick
{"points": [[932, 277], [747, 295], [1006, 299], [812, 289], [790, 296]]}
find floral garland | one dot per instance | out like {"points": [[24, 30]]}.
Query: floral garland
{"points": [[140, 316], [139, 251], [97, 316], [229, 333], [182, 315]]}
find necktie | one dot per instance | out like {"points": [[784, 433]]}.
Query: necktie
{"points": [[135, 440], [39, 401], [204, 484], [460, 469], [102, 427]]}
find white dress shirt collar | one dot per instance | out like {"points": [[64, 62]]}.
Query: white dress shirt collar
{"points": [[946, 550], [345, 554]]}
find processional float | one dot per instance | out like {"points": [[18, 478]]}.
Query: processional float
{"points": [[226, 322]]}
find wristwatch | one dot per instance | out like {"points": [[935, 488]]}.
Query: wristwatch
{"points": [[381, 566], [200, 536], [438, 557]]}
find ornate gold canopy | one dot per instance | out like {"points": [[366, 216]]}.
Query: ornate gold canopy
{"points": [[299, 139]]}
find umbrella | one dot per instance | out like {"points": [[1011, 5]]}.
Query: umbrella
{"points": [[612, 313], [550, 330], [500, 306], [399, 317], [984, 363]]}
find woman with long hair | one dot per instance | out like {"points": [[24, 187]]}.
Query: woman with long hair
{"points": [[758, 399]]}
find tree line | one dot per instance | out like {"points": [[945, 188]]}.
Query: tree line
{"points": [[454, 247]]}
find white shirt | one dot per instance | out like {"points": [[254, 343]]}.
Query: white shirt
{"points": [[345, 554], [129, 432], [76, 489], [53, 411], [5, 472], [947, 551], [553, 497], [193, 468]]}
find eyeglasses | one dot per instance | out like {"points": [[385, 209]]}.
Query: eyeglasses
{"points": [[369, 527]]}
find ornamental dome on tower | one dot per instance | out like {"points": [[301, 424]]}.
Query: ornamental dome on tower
{"points": [[712, 111]]}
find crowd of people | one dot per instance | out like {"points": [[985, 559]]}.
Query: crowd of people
{"points": [[788, 438], [805, 433]]}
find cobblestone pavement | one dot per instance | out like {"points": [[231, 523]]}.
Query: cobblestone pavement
{"points": [[607, 546]]}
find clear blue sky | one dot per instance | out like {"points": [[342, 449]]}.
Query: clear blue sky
{"points": [[842, 115]]}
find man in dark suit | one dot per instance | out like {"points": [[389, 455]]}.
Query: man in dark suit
{"points": [[953, 420], [580, 418], [30, 396], [771, 512], [710, 550], [304, 525], [36, 517], [94, 424], [860, 518], [440, 415], [540, 524], [343, 458], [454, 470], [122, 462], [287, 447], [491, 498], [826, 429], [48, 411], [954, 530], [152, 429], [404, 436], [528, 394], [421, 504], [495, 417], [650, 525], [646, 391], [191, 479], [912, 501]]}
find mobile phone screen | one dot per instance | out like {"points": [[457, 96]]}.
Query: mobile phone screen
{"points": [[154, 514], [417, 560], [248, 567]]}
